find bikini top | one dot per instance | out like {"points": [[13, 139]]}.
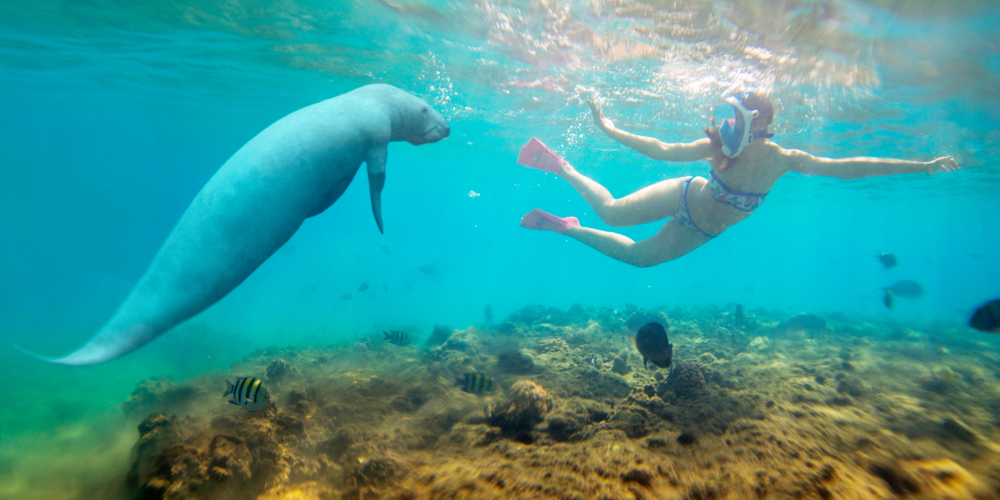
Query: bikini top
{"points": [[742, 201]]}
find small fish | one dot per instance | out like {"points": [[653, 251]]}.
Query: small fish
{"points": [[345, 296], [906, 288], [887, 259], [739, 314], [428, 269], [476, 383], [887, 300], [653, 345], [385, 286], [396, 337], [987, 317], [385, 249], [488, 314], [473, 194], [363, 287], [249, 392]]}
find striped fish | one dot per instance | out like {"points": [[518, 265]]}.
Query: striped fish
{"points": [[249, 392], [476, 383], [395, 337]]}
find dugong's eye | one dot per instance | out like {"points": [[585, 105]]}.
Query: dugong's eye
{"points": [[424, 111]]}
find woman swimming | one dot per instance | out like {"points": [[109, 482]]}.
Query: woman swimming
{"points": [[744, 166]]}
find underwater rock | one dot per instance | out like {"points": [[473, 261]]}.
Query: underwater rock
{"points": [[578, 339], [852, 386], [532, 315], [378, 472], [546, 346], [640, 318], [957, 429], [634, 420], [279, 370], [572, 417], [526, 403], [805, 321], [759, 344], [160, 394], [516, 361], [686, 380], [588, 382], [942, 380], [463, 341], [686, 438], [439, 335], [620, 364]]}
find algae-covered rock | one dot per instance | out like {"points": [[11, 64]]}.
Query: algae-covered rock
{"points": [[280, 370], [526, 403], [439, 335], [686, 380], [620, 364], [546, 346], [160, 395], [642, 318], [516, 361]]}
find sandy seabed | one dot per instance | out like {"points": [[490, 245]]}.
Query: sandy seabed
{"points": [[770, 406]]}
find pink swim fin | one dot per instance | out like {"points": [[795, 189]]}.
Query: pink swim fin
{"points": [[534, 154], [540, 219]]}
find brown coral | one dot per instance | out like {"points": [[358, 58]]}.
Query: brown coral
{"points": [[524, 407]]}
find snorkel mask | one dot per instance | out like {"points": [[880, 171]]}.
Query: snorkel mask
{"points": [[735, 125]]}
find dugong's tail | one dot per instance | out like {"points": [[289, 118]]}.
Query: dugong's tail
{"points": [[105, 346]]}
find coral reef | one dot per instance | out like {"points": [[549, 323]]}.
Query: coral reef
{"points": [[752, 410]]}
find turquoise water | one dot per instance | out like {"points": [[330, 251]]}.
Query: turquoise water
{"points": [[114, 114]]}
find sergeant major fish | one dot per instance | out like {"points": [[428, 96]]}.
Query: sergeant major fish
{"points": [[396, 337], [476, 383], [249, 392]]}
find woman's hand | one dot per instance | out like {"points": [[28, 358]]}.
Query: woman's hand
{"points": [[942, 164], [603, 123]]}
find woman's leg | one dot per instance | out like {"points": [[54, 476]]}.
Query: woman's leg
{"points": [[652, 203], [672, 241]]}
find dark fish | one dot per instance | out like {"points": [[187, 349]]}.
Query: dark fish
{"points": [[476, 383], [887, 259], [385, 286], [248, 392], [395, 337], [385, 249], [907, 288], [488, 313], [739, 314], [887, 300], [363, 287], [987, 317], [653, 345], [345, 296], [428, 269]]}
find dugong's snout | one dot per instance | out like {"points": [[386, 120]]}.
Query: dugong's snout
{"points": [[435, 128]]}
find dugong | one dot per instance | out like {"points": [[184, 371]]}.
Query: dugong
{"points": [[295, 169]]}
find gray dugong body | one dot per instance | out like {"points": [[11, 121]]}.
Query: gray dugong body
{"points": [[293, 170]]}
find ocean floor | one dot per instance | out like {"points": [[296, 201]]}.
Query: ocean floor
{"points": [[770, 406]]}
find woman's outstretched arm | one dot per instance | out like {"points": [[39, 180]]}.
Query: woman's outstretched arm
{"points": [[862, 166], [653, 148]]}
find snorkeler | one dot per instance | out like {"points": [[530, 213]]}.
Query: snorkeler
{"points": [[744, 166]]}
